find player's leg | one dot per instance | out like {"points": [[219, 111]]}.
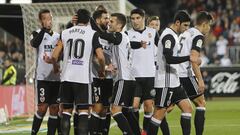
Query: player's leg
{"points": [[199, 119], [181, 99], [162, 101], [53, 121], [67, 99], [106, 93], [96, 108], [41, 107], [137, 99], [191, 87], [116, 108], [83, 101], [164, 124]]}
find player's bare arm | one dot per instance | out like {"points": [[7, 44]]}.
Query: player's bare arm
{"points": [[196, 69], [101, 60]]}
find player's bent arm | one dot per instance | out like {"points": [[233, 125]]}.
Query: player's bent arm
{"points": [[168, 43], [101, 60], [36, 38], [57, 51]]}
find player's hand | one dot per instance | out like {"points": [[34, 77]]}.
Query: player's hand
{"points": [[101, 74], [74, 20], [144, 44], [201, 86], [47, 59], [56, 68], [109, 68], [196, 60]]}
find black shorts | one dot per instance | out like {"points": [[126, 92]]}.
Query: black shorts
{"points": [[190, 85], [145, 88], [78, 93], [123, 93], [102, 91], [47, 91], [167, 96]]}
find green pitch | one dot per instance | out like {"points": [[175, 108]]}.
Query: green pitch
{"points": [[222, 118]]}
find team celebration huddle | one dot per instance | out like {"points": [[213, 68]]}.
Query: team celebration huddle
{"points": [[96, 70]]}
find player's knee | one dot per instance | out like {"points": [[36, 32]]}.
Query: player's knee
{"points": [[115, 109], [148, 106], [136, 103], [201, 102], [42, 108], [53, 109]]}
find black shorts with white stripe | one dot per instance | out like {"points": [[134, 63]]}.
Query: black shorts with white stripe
{"points": [[190, 85], [167, 96], [47, 91], [123, 93], [78, 93]]}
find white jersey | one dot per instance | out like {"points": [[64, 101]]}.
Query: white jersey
{"points": [[191, 39], [122, 59], [143, 59], [44, 71], [107, 50], [167, 74], [79, 44]]}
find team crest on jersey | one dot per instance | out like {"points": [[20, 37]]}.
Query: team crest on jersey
{"points": [[153, 92], [168, 44], [134, 37], [42, 99], [149, 35], [199, 43]]}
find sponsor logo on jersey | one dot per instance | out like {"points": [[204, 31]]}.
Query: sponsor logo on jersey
{"points": [[77, 62]]}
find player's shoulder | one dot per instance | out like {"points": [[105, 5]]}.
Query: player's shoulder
{"points": [[194, 32], [168, 32]]}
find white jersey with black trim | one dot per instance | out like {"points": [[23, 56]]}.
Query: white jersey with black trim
{"points": [[44, 71], [191, 39], [167, 74], [77, 54], [122, 59], [143, 59]]}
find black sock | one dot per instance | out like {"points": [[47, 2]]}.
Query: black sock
{"points": [[37, 121], [75, 123], [136, 113], [106, 124], [146, 120], [59, 124], [199, 120], [52, 124], [186, 123], [123, 123], [65, 123], [153, 126], [164, 127], [129, 114], [94, 123], [83, 123]]}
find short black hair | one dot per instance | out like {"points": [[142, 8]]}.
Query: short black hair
{"points": [[139, 11], [83, 16], [98, 14], [203, 16], [120, 18], [182, 16], [42, 11]]}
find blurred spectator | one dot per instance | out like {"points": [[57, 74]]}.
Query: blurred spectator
{"points": [[225, 61], [204, 58], [207, 81], [221, 46], [10, 73]]}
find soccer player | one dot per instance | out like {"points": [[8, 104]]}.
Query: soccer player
{"points": [[47, 82], [191, 42], [78, 44], [124, 81], [167, 83], [102, 88], [154, 22], [143, 41]]}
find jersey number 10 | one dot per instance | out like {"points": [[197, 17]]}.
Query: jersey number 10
{"points": [[76, 49]]}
